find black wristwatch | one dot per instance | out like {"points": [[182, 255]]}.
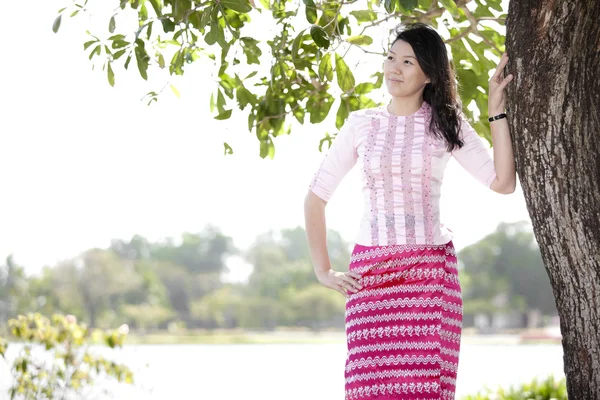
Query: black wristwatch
{"points": [[496, 117]]}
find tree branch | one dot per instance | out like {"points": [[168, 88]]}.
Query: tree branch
{"points": [[474, 23], [461, 35]]}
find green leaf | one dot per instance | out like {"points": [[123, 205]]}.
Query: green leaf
{"points": [[56, 23], [88, 44], [325, 68], [157, 6], [96, 51], [149, 30], [363, 88], [361, 40], [205, 18], [118, 37], [364, 15], [467, 80], [227, 83], [251, 50], [175, 91], [495, 5], [211, 37], [224, 115], [241, 6], [267, 149], [250, 121], [117, 44], [344, 23], [220, 101], [363, 102], [450, 5], [111, 24], [319, 35], [299, 114], [118, 54], [142, 58], [318, 106], [409, 5], [310, 11], [173, 42], [195, 19], [212, 102], [342, 114], [221, 39], [176, 64], [111, 75], [327, 139], [143, 13], [228, 149], [482, 11], [168, 25], [128, 61], [296, 45], [379, 80], [390, 5], [345, 77], [244, 97]]}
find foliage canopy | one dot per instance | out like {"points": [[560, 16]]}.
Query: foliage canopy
{"points": [[302, 67]]}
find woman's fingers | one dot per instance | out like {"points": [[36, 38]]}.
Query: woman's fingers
{"points": [[347, 286], [505, 82], [500, 68], [355, 274], [497, 78], [339, 289], [345, 283], [350, 284]]}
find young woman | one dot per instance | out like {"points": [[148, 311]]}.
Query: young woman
{"points": [[404, 306]]}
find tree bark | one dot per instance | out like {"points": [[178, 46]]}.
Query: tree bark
{"points": [[554, 114]]}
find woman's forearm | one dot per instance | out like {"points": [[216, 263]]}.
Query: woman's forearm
{"points": [[316, 232], [504, 160]]}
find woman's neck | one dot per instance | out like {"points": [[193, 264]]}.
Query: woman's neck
{"points": [[402, 106]]}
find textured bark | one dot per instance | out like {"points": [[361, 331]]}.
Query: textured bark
{"points": [[554, 114]]}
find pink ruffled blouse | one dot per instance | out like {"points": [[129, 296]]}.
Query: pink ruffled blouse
{"points": [[402, 167]]}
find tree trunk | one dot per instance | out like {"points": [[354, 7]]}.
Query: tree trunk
{"points": [[554, 114]]}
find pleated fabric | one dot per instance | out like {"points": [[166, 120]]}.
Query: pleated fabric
{"points": [[403, 328]]}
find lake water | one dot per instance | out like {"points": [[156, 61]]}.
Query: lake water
{"points": [[292, 372]]}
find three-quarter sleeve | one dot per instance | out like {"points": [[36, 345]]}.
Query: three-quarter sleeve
{"points": [[338, 161], [474, 156]]}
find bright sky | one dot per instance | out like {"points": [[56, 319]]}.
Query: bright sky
{"points": [[83, 162]]}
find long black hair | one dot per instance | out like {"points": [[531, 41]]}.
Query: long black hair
{"points": [[441, 93]]}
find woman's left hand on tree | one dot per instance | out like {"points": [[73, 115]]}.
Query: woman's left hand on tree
{"points": [[496, 89]]}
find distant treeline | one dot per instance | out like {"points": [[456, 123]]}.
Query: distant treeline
{"points": [[179, 283]]}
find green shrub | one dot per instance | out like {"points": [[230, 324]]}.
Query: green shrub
{"points": [[72, 366], [548, 389]]}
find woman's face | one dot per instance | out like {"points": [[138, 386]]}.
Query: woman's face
{"points": [[403, 75]]}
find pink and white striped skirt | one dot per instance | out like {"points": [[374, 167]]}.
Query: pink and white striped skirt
{"points": [[403, 327]]}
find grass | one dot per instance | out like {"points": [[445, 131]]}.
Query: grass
{"points": [[235, 337]]}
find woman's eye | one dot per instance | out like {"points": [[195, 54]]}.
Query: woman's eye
{"points": [[389, 57], [406, 61]]}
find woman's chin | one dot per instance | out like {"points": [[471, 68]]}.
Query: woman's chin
{"points": [[396, 93]]}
